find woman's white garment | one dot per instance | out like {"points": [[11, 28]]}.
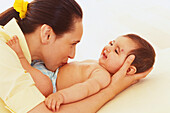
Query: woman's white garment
{"points": [[18, 93]]}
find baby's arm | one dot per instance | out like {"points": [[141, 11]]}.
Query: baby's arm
{"points": [[98, 80], [42, 81]]}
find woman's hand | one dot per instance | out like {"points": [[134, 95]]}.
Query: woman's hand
{"points": [[121, 81]]}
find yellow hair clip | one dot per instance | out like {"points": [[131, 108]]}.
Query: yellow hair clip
{"points": [[21, 7]]}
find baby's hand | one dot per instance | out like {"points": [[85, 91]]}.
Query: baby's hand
{"points": [[54, 100], [13, 43]]}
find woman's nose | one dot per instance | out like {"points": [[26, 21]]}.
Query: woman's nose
{"points": [[72, 53]]}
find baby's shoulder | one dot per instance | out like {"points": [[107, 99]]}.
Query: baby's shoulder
{"points": [[100, 70], [69, 66], [88, 62], [102, 76]]}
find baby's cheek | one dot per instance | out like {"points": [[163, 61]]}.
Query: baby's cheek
{"points": [[118, 65], [114, 67]]}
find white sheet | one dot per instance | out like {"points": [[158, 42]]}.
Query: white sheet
{"points": [[150, 95], [103, 21]]}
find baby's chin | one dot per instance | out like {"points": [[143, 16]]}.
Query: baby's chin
{"points": [[100, 62]]}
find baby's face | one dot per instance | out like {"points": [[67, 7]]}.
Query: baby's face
{"points": [[114, 54]]}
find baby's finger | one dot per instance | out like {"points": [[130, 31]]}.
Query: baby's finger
{"points": [[58, 106], [53, 105], [15, 37], [46, 101], [10, 42], [49, 103], [13, 41]]}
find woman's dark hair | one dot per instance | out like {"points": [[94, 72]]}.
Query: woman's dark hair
{"points": [[144, 54], [59, 14]]}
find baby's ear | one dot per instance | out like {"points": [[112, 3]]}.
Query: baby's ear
{"points": [[132, 70]]}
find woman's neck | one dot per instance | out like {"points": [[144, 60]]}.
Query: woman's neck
{"points": [[33, 43]]}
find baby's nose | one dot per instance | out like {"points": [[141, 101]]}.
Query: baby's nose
{"points": [[107, 49]]}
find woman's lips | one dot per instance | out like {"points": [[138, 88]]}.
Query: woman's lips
{"points": [[64, 63]]}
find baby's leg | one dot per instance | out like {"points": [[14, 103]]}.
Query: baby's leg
{"points": [[14, 44]]}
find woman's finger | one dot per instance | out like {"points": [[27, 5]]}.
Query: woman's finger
{"points": [[134, 82], [126, 65], [142, 75]]}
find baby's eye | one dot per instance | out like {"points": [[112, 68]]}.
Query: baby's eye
{"points": [[116, 51], [111, 43]]}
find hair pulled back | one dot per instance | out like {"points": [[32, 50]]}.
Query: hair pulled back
{"points": [[59, 14]]}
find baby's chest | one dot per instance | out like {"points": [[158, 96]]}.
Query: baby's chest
{"points": [[79, 73], [73, 75]]}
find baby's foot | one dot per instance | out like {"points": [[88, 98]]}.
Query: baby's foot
{"points": [[14, 44]]}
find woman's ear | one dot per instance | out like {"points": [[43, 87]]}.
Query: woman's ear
{"points": [[45, 33], [131, 70]]}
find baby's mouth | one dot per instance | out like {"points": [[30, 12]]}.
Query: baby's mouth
{"points": [[104, 54]]}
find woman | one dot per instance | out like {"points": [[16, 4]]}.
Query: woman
{"points": [[51, 29]]}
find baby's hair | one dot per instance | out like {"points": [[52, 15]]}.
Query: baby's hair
{"points": [[144, 54], [59, 14]]}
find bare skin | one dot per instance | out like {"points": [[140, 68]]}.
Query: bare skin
{"points": [[119, 82], [38, 77], [71, 86], [84, 67], [14, 44]]}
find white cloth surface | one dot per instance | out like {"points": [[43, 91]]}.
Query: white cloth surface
{"points": [[150, 95]]}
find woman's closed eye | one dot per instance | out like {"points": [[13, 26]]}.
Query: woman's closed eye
{"points": [[74, 44]]}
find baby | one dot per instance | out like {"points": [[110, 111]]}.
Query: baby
{"points": [[78, 80]]}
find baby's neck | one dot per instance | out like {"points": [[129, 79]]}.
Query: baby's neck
{"points": [[97, 61]]}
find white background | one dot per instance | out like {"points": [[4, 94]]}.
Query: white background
{"points": [[104, 20]]}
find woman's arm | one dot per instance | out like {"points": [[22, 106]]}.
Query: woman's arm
{"points": [[92, 104]]}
